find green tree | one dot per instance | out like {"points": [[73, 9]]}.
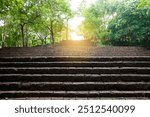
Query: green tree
{"points": [[131, 27], [97, 17], [32, 22], [21, 13], [118, 22], [55, 13]]}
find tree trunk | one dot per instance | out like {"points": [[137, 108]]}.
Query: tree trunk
{"points": [[45, 40], [3, 37], [10, 42], [3, 40], [22, 33], [52, 33], [26, 36]]}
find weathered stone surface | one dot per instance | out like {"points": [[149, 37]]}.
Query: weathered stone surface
{"points": [[75, 72]]}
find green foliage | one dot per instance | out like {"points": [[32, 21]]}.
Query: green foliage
{"points": [[32, 22], [131, 27], [118, 22], [108, 22], [97, 17], [144, 3]]}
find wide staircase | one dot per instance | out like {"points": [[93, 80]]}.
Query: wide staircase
{"points": [[74, 77]]}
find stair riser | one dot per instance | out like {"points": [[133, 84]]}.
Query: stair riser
{"points": [[110, 78], [74, 87], [146, 64], [96, 95], [74, 71], [48, 59]]}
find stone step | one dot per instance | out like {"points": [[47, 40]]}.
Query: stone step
{"points": [[75, 70], [73, 58], [74, 86], [75, 43], [74, 77], [79, 98], [77, 64], [74, 51], [74, 94]]}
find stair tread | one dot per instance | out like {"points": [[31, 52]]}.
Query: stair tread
{"points": [[75, 92], [76, 83], [92, 68], [98, 62], [76, 75], [76, 57]]}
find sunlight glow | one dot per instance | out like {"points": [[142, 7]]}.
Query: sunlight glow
{"points": [[75, 4], [75, 22], [1, 23], [76, 37]]}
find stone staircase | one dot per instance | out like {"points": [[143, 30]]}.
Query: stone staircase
{"points": [[75, 70], [75, 77]]}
